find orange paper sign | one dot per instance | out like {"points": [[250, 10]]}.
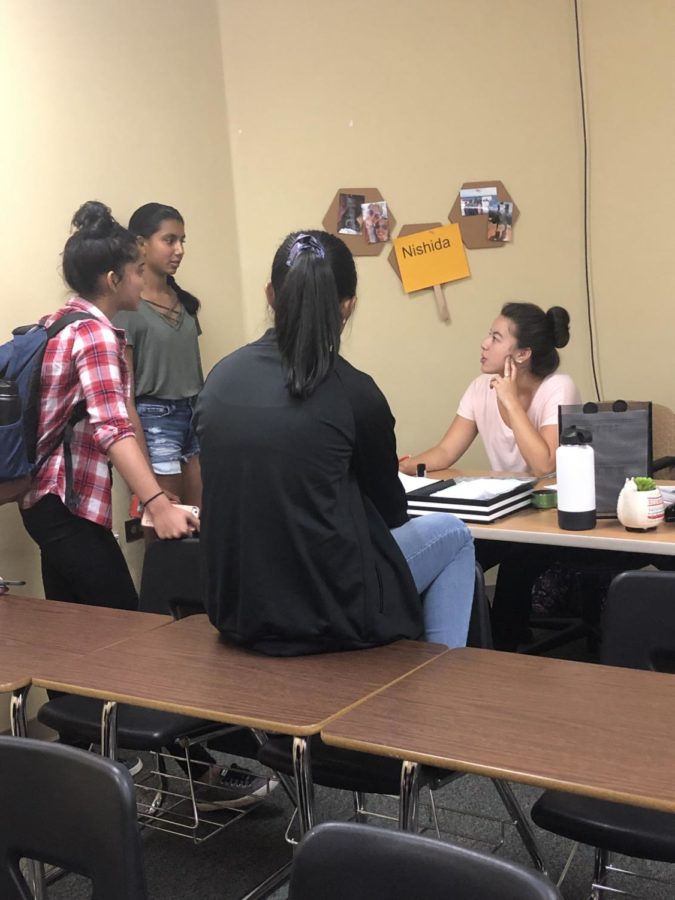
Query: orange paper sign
{"points": [[431, 257]]}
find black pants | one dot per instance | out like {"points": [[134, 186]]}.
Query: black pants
{"points": [[81, 561], [521, 564]]}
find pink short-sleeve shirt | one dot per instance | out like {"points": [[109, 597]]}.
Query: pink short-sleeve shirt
{"points": [[479, 405]]}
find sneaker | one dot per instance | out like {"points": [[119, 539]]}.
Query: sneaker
{"points": [[233, 788], [133, 763]]}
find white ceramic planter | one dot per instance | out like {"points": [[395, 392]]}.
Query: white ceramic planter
{"points": [[639, 510]]}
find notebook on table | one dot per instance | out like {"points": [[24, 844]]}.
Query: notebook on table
{"points": [[470, 499]]}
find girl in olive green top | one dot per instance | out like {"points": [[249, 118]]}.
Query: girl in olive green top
{"points": [[163, 354]]}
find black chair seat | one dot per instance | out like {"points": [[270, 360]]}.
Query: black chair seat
{"points": [[137, 728], [238, 742], [617, 827], [338, 860], [73, 809], [347, 770]]}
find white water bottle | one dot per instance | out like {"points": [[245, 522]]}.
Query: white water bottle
{"points": [[575, 476]]}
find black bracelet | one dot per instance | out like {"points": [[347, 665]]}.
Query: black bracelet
{"points": [[154, 497]]}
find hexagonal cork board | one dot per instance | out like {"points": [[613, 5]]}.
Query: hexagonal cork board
{"points": [[474, 228], [357, 243], [409, 229]]}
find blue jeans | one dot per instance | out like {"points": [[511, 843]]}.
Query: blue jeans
{"points": [[439, 551], [169, 432]]}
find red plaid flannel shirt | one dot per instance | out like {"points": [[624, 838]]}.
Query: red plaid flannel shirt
{"points": [[86, 362]]}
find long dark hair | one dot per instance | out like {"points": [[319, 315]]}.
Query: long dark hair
{"points": [[144, 223], [312, 272], [98, 245], [541, 331]]}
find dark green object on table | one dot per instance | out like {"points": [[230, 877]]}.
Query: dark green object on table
{"points": [[546, 498]]}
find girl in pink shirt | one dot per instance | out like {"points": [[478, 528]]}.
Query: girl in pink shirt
{"points": [[513, 405]]}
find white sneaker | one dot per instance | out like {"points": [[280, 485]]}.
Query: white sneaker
{"points": [[233, 788]]}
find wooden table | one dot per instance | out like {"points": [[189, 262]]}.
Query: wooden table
{"points": [[540, 526], [187, 668], [596, 730], [49, 632], [33, 629], [17, 663], [76, 627]]}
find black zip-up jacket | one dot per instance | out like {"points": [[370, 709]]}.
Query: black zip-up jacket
{"points": [[299, 497]]}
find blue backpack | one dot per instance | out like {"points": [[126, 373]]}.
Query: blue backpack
{"points": [[20, 369]]}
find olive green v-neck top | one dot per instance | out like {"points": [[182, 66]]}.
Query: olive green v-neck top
{"points": [[166, 356]]}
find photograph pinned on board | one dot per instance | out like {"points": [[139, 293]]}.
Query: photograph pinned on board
{"points": [[349, 213], [476, 201], [375, 221], [500, 221]]}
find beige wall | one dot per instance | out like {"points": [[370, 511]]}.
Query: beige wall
{"points": [[121, 101], [249, 114], [631, 86]]}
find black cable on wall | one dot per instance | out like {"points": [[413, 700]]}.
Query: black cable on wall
{"points": [[587, 273]]}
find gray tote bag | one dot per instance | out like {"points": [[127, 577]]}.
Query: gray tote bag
{"points": [[621, 440]]}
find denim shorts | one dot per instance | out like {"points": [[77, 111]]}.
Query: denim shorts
{"points": [[169, 432]]}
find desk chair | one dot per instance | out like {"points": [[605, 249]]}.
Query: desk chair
{"points": [[592, 581], [170, 579], [169, 584], [366, 773], [338, 860], [47, 814], [638, 633]]}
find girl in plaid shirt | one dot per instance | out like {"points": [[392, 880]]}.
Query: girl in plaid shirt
{"points": [[68, 509]]}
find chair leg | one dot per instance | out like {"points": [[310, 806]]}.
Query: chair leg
{"points": [[358, 798], [286, 782], [599, 873], [162, 786], [522, 825], [303, 783], [109, 729], [434, 815], [17, 712], [409, 798]]}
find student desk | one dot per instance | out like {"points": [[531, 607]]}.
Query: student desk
{"points": [[17, 663], [75, 627], [187, 668], [48, 631], [596, 730]]}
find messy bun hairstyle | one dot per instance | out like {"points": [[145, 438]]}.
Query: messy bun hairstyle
{"points": [[541, 332], [98, 245]]}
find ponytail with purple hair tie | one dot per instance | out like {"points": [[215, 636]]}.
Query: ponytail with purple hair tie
{"points": [[305, 243]]}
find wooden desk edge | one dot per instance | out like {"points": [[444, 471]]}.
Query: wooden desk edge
{"points": [[264, 724], [498, 772], [15, 684], [196, 712]]}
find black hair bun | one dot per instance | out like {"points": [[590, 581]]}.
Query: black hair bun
{"points": [[94, 219], [560, 325]]}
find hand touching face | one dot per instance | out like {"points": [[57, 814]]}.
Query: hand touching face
{"points": [[506, 385]]}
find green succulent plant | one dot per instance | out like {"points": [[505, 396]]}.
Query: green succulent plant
{"points": [[644, 484]]}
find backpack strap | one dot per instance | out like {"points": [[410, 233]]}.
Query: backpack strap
{"points": [[78, 413]]}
